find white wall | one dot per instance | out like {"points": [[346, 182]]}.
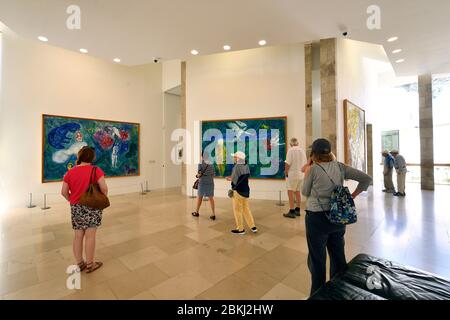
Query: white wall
{"points": [[359, 66], [262, 82], [172, 121], [39, 78], [171, 74]]}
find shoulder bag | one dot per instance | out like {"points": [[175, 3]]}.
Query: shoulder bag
{"points": [[93, 197]]}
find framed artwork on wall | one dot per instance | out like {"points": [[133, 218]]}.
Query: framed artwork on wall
{"points": [[116, 144], [263, 140], [390, 140], [355, 136]]}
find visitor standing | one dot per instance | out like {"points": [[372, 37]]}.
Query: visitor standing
{"points": [[205, 174], [401, 169], [240, 192], [295, 161], [388, 169], [320, 180], [85, 220]]}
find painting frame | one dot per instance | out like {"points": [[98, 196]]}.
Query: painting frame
{"points": [[44, 115], [347, 150], [284, 118]]}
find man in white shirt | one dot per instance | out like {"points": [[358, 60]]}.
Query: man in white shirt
{"points": [[295, 160]]}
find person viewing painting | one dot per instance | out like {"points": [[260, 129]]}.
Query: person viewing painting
{"points": [[240, 193], [401, 169], [205, 174], [388, 168], [322, 175], [85, 220], [295, 161]]}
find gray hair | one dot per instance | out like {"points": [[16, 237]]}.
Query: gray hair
{"points": [[294, 142]]}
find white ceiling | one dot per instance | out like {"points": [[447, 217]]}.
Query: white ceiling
{"points": [[139, 30]]}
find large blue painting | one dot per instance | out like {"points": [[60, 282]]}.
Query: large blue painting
{"points": [[116, 145], [263, 140]]}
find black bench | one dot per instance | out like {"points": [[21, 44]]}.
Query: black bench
{"points": [[370, 278]]}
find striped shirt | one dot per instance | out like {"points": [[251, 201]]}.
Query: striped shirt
{"points": [[400, 164]]}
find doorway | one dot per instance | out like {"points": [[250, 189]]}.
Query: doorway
{"points": [[171, 122]]}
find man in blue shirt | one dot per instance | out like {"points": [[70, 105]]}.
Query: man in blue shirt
{"points": [[388, 171]]}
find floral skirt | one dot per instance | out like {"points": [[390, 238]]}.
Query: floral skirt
{"points": [[85, 218]]}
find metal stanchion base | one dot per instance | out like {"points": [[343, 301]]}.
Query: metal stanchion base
{"points": [[280, 204], [31, 207], [45, 208]]}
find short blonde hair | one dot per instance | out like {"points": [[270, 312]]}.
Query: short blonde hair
{"points": [[294, 142]]}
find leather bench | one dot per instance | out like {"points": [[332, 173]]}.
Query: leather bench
{"points": [[371, 278]]}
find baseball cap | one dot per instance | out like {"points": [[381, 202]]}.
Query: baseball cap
{"points": [[321, 146]]}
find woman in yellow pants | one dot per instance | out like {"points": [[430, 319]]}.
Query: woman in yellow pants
{"points": [[241, 194]]}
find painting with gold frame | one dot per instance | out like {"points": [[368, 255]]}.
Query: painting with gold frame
{"points": [[116, 145], [355, 136], [263, 140]]}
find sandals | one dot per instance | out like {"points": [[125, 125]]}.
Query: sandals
{"points": [[82, 266], [213, 218], [91, 267]]}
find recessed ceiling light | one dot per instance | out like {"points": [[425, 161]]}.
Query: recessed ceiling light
{"points": [[392, 39], [194, 52], [226, 47], [83, 50], [400, 60], [117, 60], [43, 39], [397, 51], [262, 42]]}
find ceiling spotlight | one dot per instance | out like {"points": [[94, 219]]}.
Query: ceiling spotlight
{"points": [[400, 60], [43, 39], [392, 39], [117, 60], [226, 47], [83, 50], [397, 51], [194, 52], [262, 42]]}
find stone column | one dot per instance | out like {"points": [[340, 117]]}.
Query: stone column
{"points": [[308, 96], [329, 91], [426, 131], [183, 123]]}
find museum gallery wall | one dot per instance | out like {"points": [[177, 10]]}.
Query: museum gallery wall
{"points": [[355, 136], [262, 139], [116, 145]]}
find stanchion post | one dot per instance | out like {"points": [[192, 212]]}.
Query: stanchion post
{"points": [[280, 202], [45, 207], [142, 190], [31, 205], [192, 194], [146, 186]]}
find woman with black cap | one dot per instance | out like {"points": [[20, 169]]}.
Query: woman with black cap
{"points": [[321, 234]]}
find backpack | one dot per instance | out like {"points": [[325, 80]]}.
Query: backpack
{"points": [[343, 209]]}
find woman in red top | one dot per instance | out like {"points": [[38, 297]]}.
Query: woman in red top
{"points": [[85, 220]]}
